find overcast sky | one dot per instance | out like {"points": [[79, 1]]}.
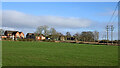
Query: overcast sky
{"points": [[64, 16]]}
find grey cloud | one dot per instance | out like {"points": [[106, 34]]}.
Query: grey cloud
{"points": [[9, 28], [17, 19]]}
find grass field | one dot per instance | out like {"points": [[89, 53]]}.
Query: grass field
{"points": [[58, 54]]}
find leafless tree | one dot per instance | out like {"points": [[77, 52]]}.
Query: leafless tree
{"points": [[1, 32]]}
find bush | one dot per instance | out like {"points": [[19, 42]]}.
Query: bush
{"points": [[19, 39], [110, 42], [29, 39], [25, 39], [52, 40], [103, 41], [3, 38], [44, 40], [9, 39], [96, 41], [48, 40], [115, 41]]}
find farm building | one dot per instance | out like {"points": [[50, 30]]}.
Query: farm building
{"points": [[35, 36]]}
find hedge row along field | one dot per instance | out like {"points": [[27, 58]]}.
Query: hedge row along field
{"points": [[20, 53]]}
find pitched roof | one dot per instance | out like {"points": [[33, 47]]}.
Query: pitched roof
{"points": [[9, 32], [20, 32], [30, 33], [14, 33], [36, 34]]}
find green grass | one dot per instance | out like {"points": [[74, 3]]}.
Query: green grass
{"points": [[58, 54]]}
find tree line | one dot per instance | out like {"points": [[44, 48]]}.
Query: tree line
{"points": [[83, 36], [54, 35]]}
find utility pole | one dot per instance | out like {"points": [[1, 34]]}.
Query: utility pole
{"points": [[107, 28], [112, 28], [119, 23], [98, 36]]}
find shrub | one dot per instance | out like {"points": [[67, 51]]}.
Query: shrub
{"points": [[52, 40], [3, 38], [29, 39], [9, 39], [48, 40], [19, 39], [109, 41], [115, 41], [25, 39], [103, 41]]}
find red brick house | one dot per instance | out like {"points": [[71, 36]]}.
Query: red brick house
{"points": [[14, 35], [21, 34], [4, 36]]}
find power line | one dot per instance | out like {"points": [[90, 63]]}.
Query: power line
{"points": [[103, 35], [113, 14], [110, 26], [114, 20]]}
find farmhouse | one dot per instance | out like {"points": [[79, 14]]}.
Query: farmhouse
{"points": [[56, 37], [35, 36], [3, 36], [62, 38], [13, 35]]}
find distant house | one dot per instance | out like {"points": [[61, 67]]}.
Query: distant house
{"points": [[56, 37], [62, 38], [3, 37], [49, 37], [21, 34], [35, 36], [14, 34], [30, 36]]}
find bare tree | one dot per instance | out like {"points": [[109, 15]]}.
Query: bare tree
{"points": [[46, 31], [77, 36], [68, 36], [96, 36], [1, 32], [39, 29], [43, 30], [53, 31]]}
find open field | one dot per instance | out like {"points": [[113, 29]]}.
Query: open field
{"points": [[58, 54]]}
